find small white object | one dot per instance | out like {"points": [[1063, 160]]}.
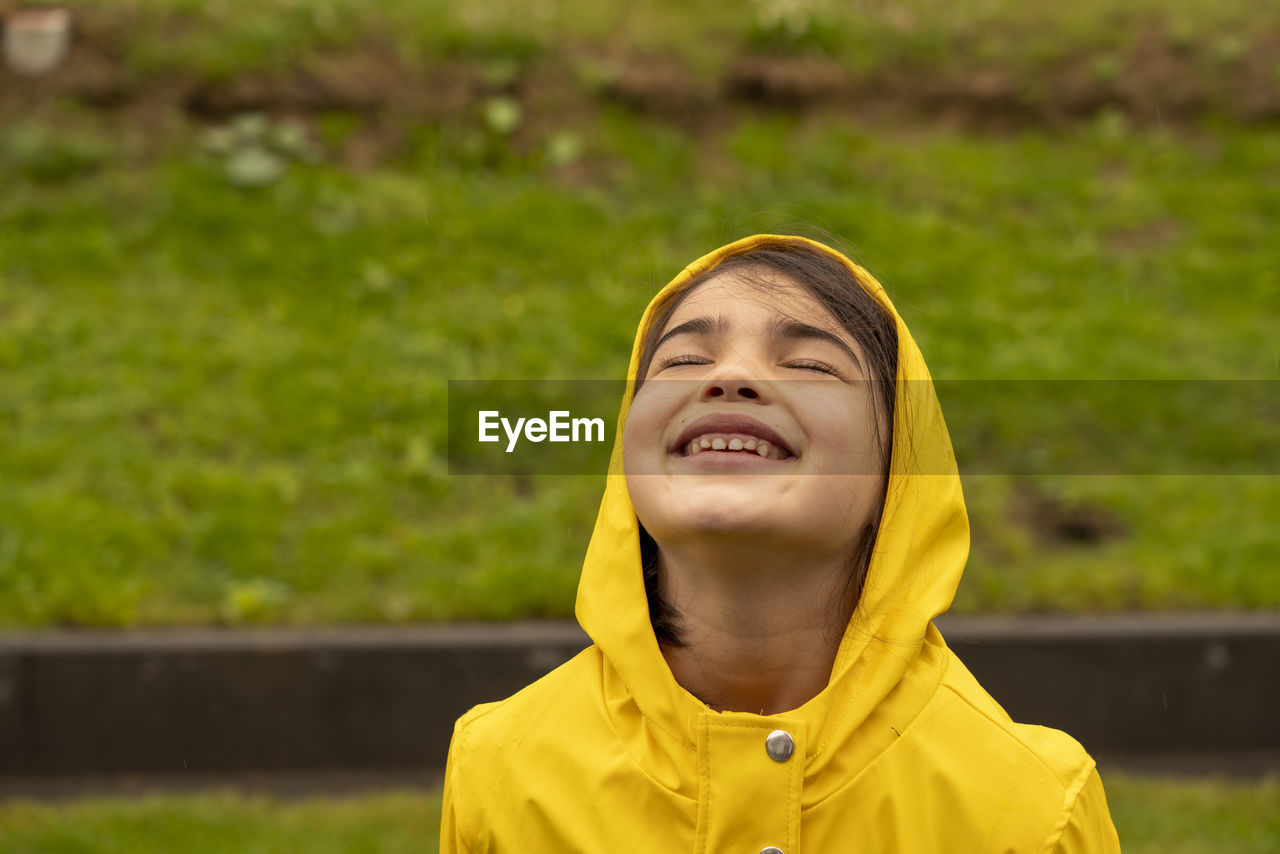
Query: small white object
{"points": [[36, 40]]}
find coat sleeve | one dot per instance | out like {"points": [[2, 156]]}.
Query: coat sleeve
{"points": [[451, 841], [1089, 827]]}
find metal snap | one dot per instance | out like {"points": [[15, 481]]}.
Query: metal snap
{"points": [[779, 745]]}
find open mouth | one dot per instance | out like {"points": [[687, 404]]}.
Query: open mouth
{"points": [[731, 435], [734, 443]]}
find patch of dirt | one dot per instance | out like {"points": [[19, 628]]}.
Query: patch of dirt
{"points": [[659, 86], [1150, 235], [376, 141], [788, 81], [1055, 523], [1258, 98], [1158, 78], [92, 73], [363, 82]]}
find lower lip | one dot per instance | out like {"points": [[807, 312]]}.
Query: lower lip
{"points": [[710, 459]]}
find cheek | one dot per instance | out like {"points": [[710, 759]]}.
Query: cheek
{"points": [[856, 499], [838, 509], [642, 437], [844, 429], [640, 441]]}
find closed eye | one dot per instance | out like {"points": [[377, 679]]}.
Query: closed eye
{"points": [[813, 365], [799, 364], [686, 359]]}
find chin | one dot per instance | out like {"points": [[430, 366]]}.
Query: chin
{"points": [[723, 509]]}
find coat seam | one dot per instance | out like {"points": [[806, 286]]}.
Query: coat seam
{"points": [[626, 748], [744, 724], [946, 666], [459, 825], [1069, 806], [791, 793], [702, 828], [1000, 725], [821, 743], [653, 722], [861, 677], [1071, 791]]}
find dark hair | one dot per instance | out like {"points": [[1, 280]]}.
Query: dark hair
{"points": [[836, 288]]}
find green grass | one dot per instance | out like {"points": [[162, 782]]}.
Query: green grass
{"points": [[227, 405], [1170, 817], [219, 39], [1181, 817], [224, 821]]}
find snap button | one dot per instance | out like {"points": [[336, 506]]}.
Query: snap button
{"points": [[779, 745], [771, 850]]}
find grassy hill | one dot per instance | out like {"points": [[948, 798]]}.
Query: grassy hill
{"points": [[225, 338]]}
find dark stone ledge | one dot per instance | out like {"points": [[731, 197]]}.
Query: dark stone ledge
{"points": [[381, 700]]}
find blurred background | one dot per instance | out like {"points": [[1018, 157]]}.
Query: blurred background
{"points": [[245, 245]]}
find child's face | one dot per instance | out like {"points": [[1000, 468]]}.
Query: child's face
{"points": [[737, 364]]}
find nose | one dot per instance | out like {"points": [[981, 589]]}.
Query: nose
{"points": [[733, 378], [728, 388]]}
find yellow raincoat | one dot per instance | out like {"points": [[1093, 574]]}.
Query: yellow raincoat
{"points": [[903, 751]]}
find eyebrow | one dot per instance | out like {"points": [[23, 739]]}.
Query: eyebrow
{"points": [[783, 327], [697, 326]]}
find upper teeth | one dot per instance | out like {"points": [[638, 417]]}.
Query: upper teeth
{"points": [[734, 442]]}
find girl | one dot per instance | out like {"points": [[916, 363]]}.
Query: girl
{"points": [[781, 523]]}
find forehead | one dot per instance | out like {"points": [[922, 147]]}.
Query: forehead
{"points": [[758, 293]]}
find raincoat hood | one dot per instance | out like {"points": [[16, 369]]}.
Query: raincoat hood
{"points": [[915, 569], [901, 751]]}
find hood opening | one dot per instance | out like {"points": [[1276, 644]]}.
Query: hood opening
{"points": [[906, 566]]}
